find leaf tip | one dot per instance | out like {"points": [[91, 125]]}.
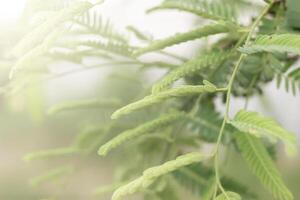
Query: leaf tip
{"points": [[102, 151]]}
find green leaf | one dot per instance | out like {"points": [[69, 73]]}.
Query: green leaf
{"points": [[139, 34], [36, 36], [84, 104], [181, 161], [91, 22], [260, 126], [212, 29], [293, 13], [153, 99], [194, 177], [202, 62], [258, 159], [147, 127], [128, 189], [274, 43], [51, 153], [89, 138], [112, 47], [153, 173], [202, 8], [291, 80], [30, 57], [200, 180], [229, 196], [206, 122]]}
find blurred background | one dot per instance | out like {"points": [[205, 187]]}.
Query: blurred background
{"points": [[25, 127]]}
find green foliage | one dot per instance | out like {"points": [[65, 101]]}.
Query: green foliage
{"points": [[202, 8], [151, 174], [199, 180], [28, 58], [293, 13], [291, 80], [112, 47], [239, 60], [212, 29], [179, 91], [206, 123], [286, 75], [260, 126], [258, 159], [84, 104], [203, 62], [35, 37], [151, 126], [93, 23], [229, 196], [64, 151], [274, 43]]}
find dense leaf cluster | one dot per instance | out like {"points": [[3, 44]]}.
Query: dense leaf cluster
{"points": [[158, 126]]}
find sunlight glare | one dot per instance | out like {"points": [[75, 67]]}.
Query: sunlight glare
{"points": [[11, 9]]}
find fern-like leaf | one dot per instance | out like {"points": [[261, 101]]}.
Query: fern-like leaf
{"points": [[262, 165], [51, 153], [206, 123], [290, 80], [161, 122], [229, 196], [35, 37], [274, 43], [128, 189], [113, 47], [93, 23], [193, 177], [180, 91], [84, 104], [28, 58], [202, 8], [181, 161], [260, 126], [212, 29], [200, 180], [87, 135], [151, 174], [192, 66], [139, 34]]}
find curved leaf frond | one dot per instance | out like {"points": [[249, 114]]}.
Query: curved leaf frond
{"points": [[196, 64], [113, 47], [128, 189], [202, 8], [290, 80], [274, 43], [153, 99], [151, 174], [51, 153], [84, 104], [212, 29], [91, 22], [39, 33], [260, 126], [147, 127], [28, 58], [262, 165]]}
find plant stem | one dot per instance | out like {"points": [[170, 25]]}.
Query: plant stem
{"points": [[228, 98]]}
